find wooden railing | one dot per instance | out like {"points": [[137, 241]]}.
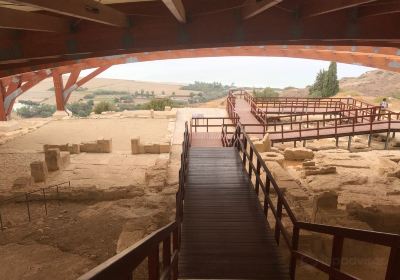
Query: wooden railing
{"points": [[123, 265], [254, 165]]}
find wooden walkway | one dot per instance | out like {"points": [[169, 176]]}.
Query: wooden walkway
{"points": [[224, 232], [243, 109]]}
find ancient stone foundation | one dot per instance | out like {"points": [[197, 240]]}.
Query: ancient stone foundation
{"points": [[99, 146], [149, 148], [298, 154], [72, 148], [39, 171], [263, 145]]}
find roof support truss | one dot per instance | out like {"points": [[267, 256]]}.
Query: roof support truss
{"points": [[253, 7], [177, 9], [377, 10], [85, 9], [14, 19], [314, 8]]}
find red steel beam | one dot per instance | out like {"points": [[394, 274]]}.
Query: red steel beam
{"points": [[162, 32], [388, 57]]}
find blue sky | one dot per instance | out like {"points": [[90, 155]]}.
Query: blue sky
{"points": [[242, 71]]}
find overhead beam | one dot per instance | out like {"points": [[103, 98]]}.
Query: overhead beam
{"points": [[316, 8], [14, 19], [84, 9], [253, 7], [177, 9], [378, 10]]}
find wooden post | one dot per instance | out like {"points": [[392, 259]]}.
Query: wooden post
{"points": [[393, 272], [295, 246], [336, 258], [58, 90], [154, 264], [349, 143], [387, 140]]}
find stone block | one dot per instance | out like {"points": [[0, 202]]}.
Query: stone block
{"points": [[88, 147], [151, 148], [23, 182], [53, 159], [65, 159], [308, 163], [326, 201], [74, 149], [135, 146], [165, 148], [104, 145], [271, 156], [63, 147], [39, 171], [320, 171], [167, 108], [298, 154]]}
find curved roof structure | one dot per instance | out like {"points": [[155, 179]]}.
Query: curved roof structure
{"points": [[36, 33]]}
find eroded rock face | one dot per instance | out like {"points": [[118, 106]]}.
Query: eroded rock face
{"points": [[298, 154], [320, 170], [379, 217], [156, 176]]}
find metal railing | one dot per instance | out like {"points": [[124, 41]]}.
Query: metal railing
{"points": [[254, 164], [123, 265], [39, 195]]}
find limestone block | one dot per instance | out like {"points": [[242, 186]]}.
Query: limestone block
{"points": [[271, 156], [308, 163], [39, 171], [395, 173], [104, 145], [53, 159], [152, 113], [267, 142], [65, 159], [23, 182], [167, 108], [88, 147], [74, 149], [135, 146], [151, 148], [327, 201], [320, 171], [165, 148], [298, 154], [259, 145], [63, 147]]}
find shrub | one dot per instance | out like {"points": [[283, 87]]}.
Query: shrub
{"points": [[110, 92], [89, 96], [29, 102], [81, 109], [103, 106], [265, 93], [159, 104], [36, 111]]}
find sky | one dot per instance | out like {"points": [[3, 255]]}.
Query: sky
{"points": [[241, 71]]}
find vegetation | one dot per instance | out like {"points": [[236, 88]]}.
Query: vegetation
{"points": [[36, 111], [110, 92], [78, 89], [265, 93], [326, 84], [29, 102], [206, 91], [159, 104], [104, 106], [81, 109]]}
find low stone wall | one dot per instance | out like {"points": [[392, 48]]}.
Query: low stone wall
{"points": [[149, 148], [99, 146]]}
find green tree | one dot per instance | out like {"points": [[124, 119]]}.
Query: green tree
{"points": [[36, 111], [326, 83], [81, 109], [103, 106]]}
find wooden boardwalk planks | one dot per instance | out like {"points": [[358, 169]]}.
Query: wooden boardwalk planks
{"points": [[224, 232]]}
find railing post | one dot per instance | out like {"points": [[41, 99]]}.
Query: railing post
{"points": [[1, 223], [393, 272], [154, 264], [336, 258], [258, 168], [244, 150], [278, 219], [266, 195], [295, 246], [167, 255], [250, 162]]}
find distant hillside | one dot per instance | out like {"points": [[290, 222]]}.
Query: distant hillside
{"points": [[373, 83]]}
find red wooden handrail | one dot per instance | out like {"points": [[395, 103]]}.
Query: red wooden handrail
{"points": [[247, 150]]}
